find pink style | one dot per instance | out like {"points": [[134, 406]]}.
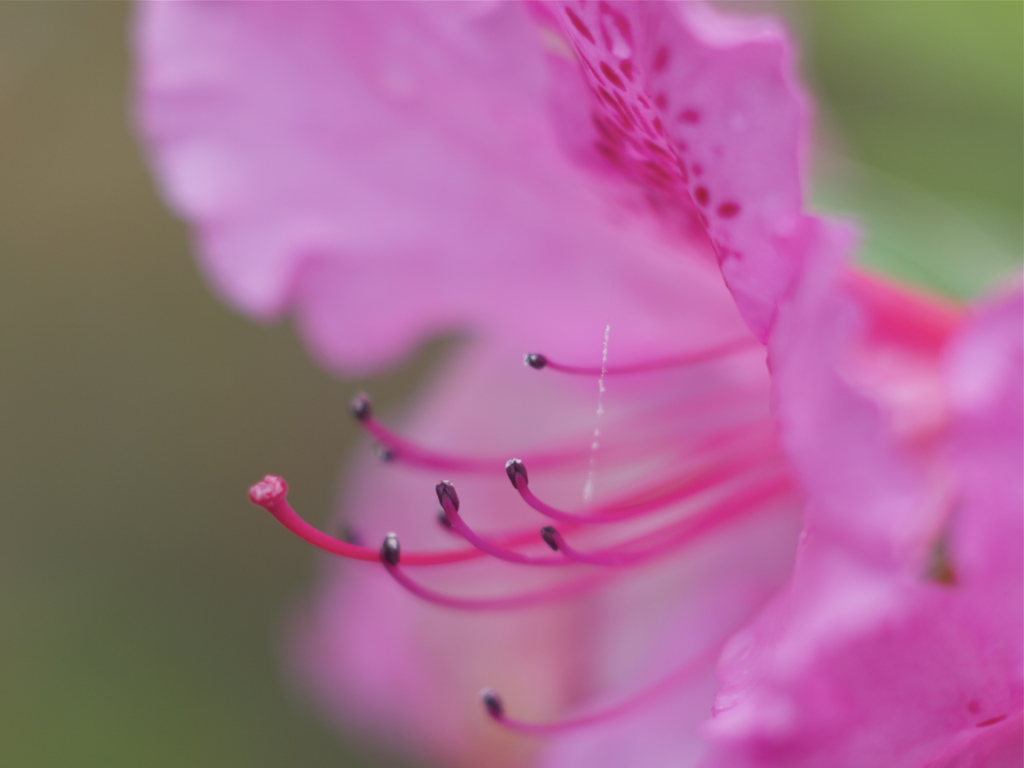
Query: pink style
{"points": [[765, 509]]}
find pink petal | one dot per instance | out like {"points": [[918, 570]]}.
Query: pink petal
{"points": [[703, 113], [853, 667], [984, 371], [863, 486], [391, 171], [865, 660]]}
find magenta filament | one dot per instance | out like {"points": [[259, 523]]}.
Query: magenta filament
{"points": [[650, 500], [539, 362], [388, 556], [671, 537], [450, 508], [495, 707]]}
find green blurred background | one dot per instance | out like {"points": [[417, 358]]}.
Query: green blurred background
{"points": [[141, 597]]}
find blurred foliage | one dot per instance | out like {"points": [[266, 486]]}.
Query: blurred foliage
{"points": [[928, 98], [142, 598]]}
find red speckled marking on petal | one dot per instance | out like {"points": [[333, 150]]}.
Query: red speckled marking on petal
{"points": [[660, 60], [624, 111], [609, 131], [625, 118], [657, 169], [627, 70], [644, 126], [700, 194], [657, 150], [728, 209], [609, 153], [580, 26], [991, 721], [691, 116], [613, 78], [621, 29], [587, 64]]}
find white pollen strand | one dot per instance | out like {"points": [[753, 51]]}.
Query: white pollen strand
{"points": [[588, 486]]}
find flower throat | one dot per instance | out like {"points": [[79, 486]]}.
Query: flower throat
{"points": [[723, 475]]}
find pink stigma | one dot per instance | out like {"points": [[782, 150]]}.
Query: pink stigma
{"points": [[268, 491]]}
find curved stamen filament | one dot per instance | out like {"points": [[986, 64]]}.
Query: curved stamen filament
{"points": [[671, 537], [651, 500], [495, 708], [449, 503], [389, 557], [396, 447], [410, 453], [538, 361]]}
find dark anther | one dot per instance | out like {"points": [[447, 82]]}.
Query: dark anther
{"points": [[360, 407], [515, 468], [442, 518], [351, 536], [548, 533], [492, 702], [536, 360], [384, 453], [390, 552], [445, 490]]}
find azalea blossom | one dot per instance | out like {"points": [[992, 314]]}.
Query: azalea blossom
{"points": [[744, 505]]}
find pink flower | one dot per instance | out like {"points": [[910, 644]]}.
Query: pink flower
{"points": [[549, 177], [898, 639]]}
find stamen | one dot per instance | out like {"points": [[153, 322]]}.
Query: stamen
{"points": [[496, 709], [538, 361], [450, 508], [271, 494], [392, 447], [384, 453], [390, 551], [492, 702], [551, 537], [671, 537], [558, 592], [448, 497], [535, 361], [361, 407], [516, 471], [649, 500]]}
